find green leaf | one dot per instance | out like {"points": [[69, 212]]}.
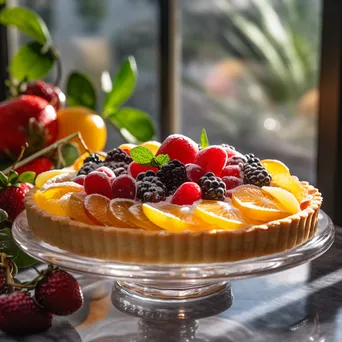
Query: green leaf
{"points": [[27, 177], [13, 177], [135, 121], [123, 85], [69, 153], [162, 159], [31, 62], [141, 155], [26, 21], [80, 91], [8, 246], [3, 215], [204, 139], [3, 179]]}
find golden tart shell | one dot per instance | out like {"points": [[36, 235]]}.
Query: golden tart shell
{"points": [[163, 247]]}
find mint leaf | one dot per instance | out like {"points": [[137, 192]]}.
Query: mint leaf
{"points": [[162, 159], [13, 177], [135, 121], [27, 177], [123, 85], [141, 155], [69, 153], [204, 139], [8, 246], [3, 179], [3, 215], [31, 62], [80, 91], [26, 21]]}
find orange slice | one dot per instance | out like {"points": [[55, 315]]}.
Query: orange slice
{"points": [[153, 146], [58, 207], [139, 218], [119, 209], [127, 146], [77, 210], [97, 207], [174, 218], [274, 166], [257, 204], [220, 214], [45, 176], [57, 190], [286, 198]]}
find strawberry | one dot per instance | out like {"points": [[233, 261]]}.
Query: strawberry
{"points": [[27, 118], [38, 166], [47, 91], [59, 293], [180, 147], [20, 314]]}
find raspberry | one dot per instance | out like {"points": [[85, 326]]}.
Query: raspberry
{"points": [[237, 160], [150, 187], [20, 314], [59, 293], [98, 183], [173, 174], [212, 159], [179, 147], [232, 182], [124, 187], [93, 158], [232, 171], [187, 194], [194, 172], [87, 168], [118, 155], [213, 188], [230, 150], [134, 169], [254, 172]]}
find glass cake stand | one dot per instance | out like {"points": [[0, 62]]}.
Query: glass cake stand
{"points": [[169, 299]]}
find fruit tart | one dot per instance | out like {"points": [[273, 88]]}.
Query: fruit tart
{"points": [[173, 202]]}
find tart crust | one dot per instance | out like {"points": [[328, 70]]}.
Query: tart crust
{"points": [[163, 247]]}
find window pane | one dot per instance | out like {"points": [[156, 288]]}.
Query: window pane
{"points": [[93, 36], [250, 73]]}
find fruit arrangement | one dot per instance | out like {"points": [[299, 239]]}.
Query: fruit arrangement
{"points": [[175, 185]]}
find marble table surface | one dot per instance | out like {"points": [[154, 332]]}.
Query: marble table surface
{"points": [[298, 305]]}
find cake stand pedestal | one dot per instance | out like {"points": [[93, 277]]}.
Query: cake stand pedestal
{"points": [[169, 299]]}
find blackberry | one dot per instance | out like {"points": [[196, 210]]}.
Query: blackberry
{"points": [[150, 187], [118, 155], [228, 146], [93, 158], [88, 167], [120, 171], [254, 172], [173, 175], [115, 165], [212, 187]]}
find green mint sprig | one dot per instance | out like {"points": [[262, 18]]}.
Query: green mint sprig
{"points": [[143, 156], [204, 139]]}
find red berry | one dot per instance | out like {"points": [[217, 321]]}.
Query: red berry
{"points": [[12, 199], [232, 182], [98, 183], [134, 169], [59, 293], [212, 159], [124, 187], [179, 147], [230, 151], [106, 170], [232, 170], [194, 172], [20, 314], [38, 166], [47, 91], [187, 194], [79, 179]]}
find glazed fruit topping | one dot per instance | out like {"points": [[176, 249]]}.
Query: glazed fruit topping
{"points": [[213, 188], [134, 169], [150, 187], [232, 182], [93, 158], [187, 194], [255, 173], [98, 183], [212, 159], [118, 155], [232, 171], [194, 172], [124, 187]]}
